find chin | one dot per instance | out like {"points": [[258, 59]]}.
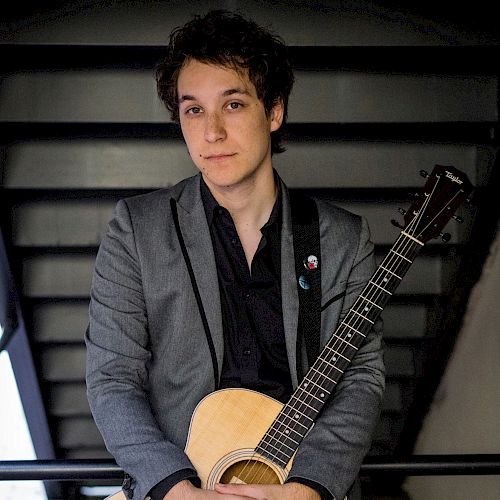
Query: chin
{"points": [[221, 179]]}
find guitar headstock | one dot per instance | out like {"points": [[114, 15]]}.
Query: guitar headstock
{"points": [[445, 190]]}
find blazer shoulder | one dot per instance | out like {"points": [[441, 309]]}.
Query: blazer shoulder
{"points": [[331, 213], [156, 202]]}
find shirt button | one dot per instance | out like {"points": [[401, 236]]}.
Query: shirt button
{"points": [[247, 352]]}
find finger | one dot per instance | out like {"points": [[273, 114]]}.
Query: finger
{"points": [[241, 490]]}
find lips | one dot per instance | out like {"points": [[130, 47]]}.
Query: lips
{"points": [[219, 156]]}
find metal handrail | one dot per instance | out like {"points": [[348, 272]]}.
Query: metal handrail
{"points": [[415, 465]]}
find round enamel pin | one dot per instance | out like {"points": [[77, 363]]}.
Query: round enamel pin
{"points": [[303, 282]]}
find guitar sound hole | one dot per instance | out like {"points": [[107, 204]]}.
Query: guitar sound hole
{"points": [[250, 472]]}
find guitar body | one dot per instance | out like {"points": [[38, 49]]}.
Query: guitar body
{"points": [[225, 429]]}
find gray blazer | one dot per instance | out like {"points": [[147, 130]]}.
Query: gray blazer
{"points": [[148, 359]]}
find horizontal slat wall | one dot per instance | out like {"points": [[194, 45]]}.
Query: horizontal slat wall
{"points": [[134, 163], [81, 223], [339, 96], [78, 137]]}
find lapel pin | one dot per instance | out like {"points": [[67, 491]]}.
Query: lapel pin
{"points": [[311, 263], [304, 284]]}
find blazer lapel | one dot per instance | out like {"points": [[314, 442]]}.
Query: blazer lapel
{"points": [[194, 228], [289, 295]]}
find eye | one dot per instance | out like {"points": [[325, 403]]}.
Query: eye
{"points": [[234, 105], [195, 110]]}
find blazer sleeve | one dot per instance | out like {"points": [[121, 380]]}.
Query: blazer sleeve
{"points": [[117, 363], [332, 452]]}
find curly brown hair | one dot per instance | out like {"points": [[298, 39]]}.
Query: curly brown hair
{"points": [[227, 39]]}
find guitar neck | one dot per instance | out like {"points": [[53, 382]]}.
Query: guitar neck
{"points": [[296, 418]]}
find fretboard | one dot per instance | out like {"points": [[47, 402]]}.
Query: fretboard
{"points": [[296, 418]]}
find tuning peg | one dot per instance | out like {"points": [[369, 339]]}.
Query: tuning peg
{"points": [[402, 211], [458, 218], [445, 237], [424, 174], [394, 222]]}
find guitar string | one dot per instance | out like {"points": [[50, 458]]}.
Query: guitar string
{"points": [[361, 319]]}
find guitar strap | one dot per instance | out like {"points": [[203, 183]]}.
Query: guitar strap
{"points": [[307, 250]]}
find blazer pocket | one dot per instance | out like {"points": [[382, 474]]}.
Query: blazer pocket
{"points": [[334, 294]]}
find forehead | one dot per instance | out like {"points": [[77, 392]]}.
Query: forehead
{"points": [[196, 77]]}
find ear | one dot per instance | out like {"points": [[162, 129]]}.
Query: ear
{"points": [[276, 115]]}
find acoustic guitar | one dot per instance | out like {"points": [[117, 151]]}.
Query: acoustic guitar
{"points": [[241, 436]]}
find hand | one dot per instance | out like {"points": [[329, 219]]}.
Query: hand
{"points": [[185, 490], [289, 491]]}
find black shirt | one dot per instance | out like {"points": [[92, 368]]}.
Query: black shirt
{"points": [[254, 340]]}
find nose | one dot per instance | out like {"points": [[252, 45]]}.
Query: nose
{"points": [[214, 128]]}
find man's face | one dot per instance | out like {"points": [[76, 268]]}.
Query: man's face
{"points": [[224, 124]]}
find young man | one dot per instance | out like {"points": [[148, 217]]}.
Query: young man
{"points": [[195, 286]]}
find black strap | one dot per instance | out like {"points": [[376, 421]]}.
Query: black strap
{"points": [[173, 207], [307, 250]]}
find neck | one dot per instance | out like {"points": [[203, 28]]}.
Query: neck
{"points": [[250, 203]]}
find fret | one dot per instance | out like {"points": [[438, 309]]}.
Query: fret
{"points": [[309, 394], [317, 385], [323, 375], [294, 420], [294, 396], [382, 288], [359, 314], [390, 272], [399, 255], [284, 434], [278, 449], [370, 302], [273, 457], [354, 329], [343, 340], [330, 364], [338, 353], [334, 367]]}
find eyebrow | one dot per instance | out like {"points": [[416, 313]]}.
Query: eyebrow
{"points": [[226, 93]]}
